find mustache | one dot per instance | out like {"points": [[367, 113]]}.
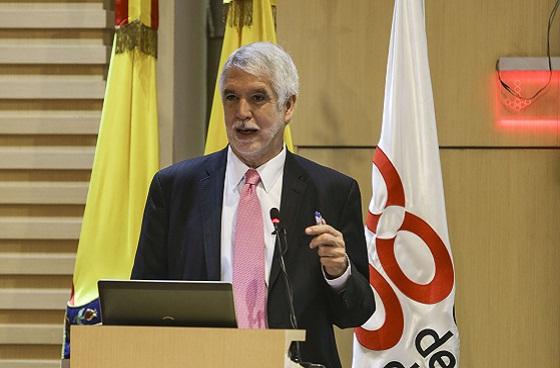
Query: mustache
{"points": [[244, 124]]}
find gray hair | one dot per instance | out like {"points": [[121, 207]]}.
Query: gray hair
{"points": [[265, 59]]}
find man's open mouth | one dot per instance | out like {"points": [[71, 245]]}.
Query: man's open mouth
{"points": [[246, 131]]}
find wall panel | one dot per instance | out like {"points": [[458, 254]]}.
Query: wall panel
{"points": [[341, 47], [503, 219], [465, 40]]}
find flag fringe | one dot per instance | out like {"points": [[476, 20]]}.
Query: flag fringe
{"points": [[136, 35], [241, 13]]}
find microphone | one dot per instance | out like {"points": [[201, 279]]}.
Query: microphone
{"points": [[282, 241], [275, 218]]}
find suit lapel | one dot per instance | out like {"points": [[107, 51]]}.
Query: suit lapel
{"points": [[212, 189], [294, 184]]}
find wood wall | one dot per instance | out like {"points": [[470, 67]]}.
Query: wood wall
{"points": [[53, 62], [502, 185]]}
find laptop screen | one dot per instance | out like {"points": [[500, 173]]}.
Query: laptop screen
{"points": [[166, 303]]}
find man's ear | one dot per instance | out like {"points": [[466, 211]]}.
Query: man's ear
{"points": [[290, 106]]}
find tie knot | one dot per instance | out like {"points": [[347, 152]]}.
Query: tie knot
{"points": [[252, 177]]}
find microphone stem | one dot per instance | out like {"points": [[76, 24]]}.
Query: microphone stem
{"points": [[281, 238], [289, 291]]}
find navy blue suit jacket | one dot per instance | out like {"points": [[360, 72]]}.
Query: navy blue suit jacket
{"points": [[181, 230]]}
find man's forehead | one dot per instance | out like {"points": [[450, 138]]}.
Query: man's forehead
{"points": [[247, 88], [238, 77]]}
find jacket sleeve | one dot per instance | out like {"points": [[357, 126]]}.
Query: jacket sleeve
{"points": [[151, 255], [354, 303]]}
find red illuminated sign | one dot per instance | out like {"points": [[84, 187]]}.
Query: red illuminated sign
{"points": [[519, 114]]}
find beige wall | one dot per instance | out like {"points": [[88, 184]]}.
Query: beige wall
{"points": [[181, 70], [502, 186]]}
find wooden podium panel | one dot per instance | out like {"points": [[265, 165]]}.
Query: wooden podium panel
{"points": [[174, 347]]}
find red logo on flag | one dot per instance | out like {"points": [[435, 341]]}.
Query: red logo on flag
{"points": [[389, 334]]}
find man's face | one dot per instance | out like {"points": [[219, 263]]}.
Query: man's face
{"points": [[254, 123]]}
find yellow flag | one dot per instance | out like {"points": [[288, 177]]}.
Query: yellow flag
{"points": [[126, 158], [238, 34]]}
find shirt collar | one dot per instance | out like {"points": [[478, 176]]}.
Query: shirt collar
{"points": [[269, 172]]}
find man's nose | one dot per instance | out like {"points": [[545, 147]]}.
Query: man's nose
{"points": [[243, 110]]}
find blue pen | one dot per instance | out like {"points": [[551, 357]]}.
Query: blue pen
{"points": [[319, 220]]}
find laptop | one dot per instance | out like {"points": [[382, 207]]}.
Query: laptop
{"points": [[166, 303]]}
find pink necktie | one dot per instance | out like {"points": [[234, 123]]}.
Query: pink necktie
{"points": [[249, 288]]}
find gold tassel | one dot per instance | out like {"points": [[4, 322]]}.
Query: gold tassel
{"points": [[136, 35], [241, 13]]}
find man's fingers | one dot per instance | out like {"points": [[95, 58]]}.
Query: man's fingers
{"points": [[322, 229], [329, 251], [325, 239], [330, 247]]}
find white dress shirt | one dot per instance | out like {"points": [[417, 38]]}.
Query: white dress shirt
{"points": [[269, 192]]}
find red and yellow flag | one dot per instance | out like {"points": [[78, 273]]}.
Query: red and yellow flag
{"points": [[126, 158]]}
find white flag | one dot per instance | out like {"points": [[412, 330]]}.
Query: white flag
{"points": [[411, 269]]}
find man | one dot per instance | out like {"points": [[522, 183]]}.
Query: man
{"points": [[208, 218]]}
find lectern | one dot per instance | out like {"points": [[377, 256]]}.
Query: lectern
{"points": [[174, 347]]}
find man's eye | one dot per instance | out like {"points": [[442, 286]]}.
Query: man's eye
{"points": [[259, 97], [230, 97]]}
